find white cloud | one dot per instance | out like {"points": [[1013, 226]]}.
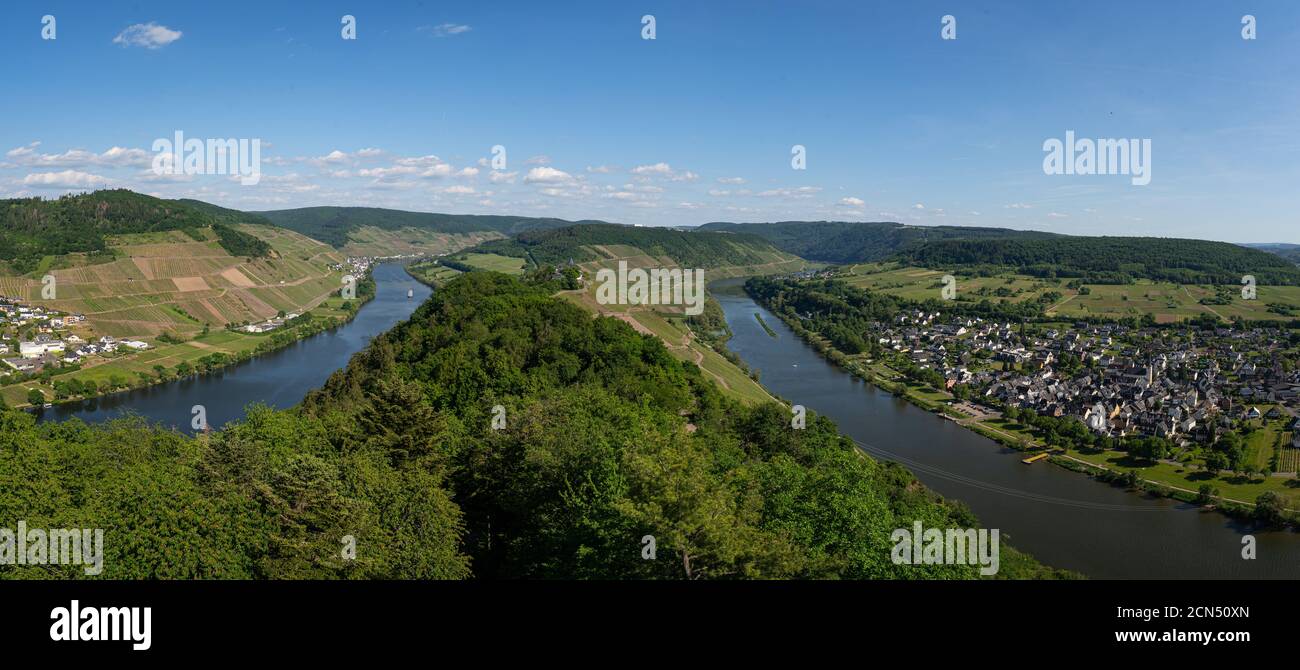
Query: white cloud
{"points": [[497, 177], [731, 180], [538, 160], [658, 169], [148, 35], [601, 169], [420, 161], [547, 175], [65, 179], [459, 190], [446, 29], [852, 202], [389, 173], [918, 206], [113, 157], [664, 170], [1018, 205], [800, 192]]}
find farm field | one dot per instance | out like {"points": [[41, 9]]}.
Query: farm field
{"points": [[169, 282], [127, 367], [372, 241], [496, 263], [1166, 302], [432, 274]]}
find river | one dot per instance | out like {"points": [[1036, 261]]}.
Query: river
{"points": [[279, 379], [1063, 518]]}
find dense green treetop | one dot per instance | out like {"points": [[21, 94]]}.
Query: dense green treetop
{"points": [[31, 228]]}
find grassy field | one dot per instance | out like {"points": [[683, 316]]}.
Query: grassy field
{"points": [[430, 273], [161, 282], [496, 263], [1234, 486], [168, 282], [1166, 302], [371, 241], [128, 366]]}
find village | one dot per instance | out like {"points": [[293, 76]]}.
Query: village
{"points": [[34, 339], [1182, 384]]}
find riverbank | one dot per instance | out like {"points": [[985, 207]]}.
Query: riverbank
{"points": [[167, 362], [988, 422], [1052, 513], [278, 379]]}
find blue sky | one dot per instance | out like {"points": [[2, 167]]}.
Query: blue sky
{"points": [[696, 125]]}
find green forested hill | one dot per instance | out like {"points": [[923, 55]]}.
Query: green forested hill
{"points": [[687, 248], [1112, 259], [856, 242], [31, 228], [1290, 252], [224, 214], [333, 225], [608, 438], [1095, 259]]}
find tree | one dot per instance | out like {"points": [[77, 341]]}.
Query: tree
{"points": [[1269, 508], [1216, 461], [1206, 494], [35, 397]]}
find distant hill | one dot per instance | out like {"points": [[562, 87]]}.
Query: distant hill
{"points": [[226, 215], [1291, 252], [857, 242], [32, 229], [1095, 259], [690, 249], [372, 230], [1111, 259]]}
